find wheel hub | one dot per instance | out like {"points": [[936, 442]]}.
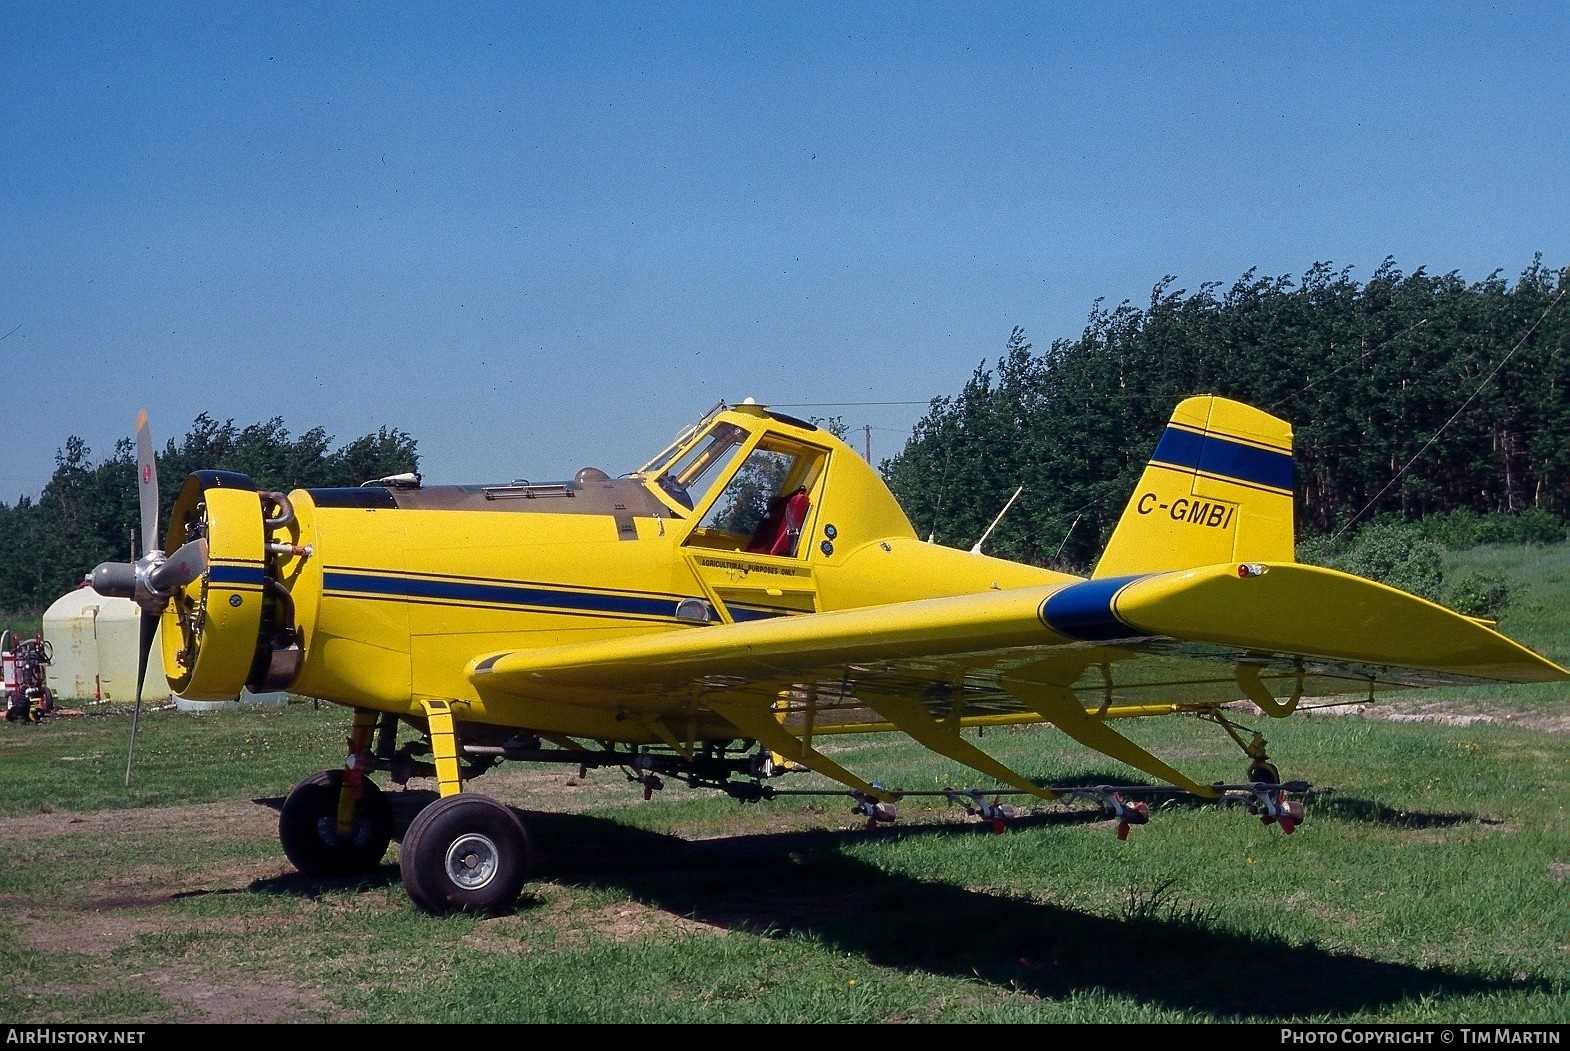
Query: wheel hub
{"points": [[327, 831], [472, 861]]}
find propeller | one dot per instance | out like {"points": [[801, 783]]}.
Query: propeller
{"points": [[147, 483], [152, 579]]}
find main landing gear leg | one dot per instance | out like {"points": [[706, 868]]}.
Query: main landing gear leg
{"points": [[464, 852], [337, 822], [356, 769]]}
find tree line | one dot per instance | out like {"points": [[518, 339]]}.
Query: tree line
{"points": [[1413, 398], [1410, 395], [90, 513]]}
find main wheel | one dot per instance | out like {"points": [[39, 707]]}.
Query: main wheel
{"points": [[308, 827], [465, 853]]}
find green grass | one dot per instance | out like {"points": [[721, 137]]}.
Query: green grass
{"points": [[1539, 612], [25, 624], [1427, 884]]}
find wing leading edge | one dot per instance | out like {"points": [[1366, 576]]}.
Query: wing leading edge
{"points": [[1072, 655]]}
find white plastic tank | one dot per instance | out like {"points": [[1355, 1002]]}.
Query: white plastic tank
{"points": [[246, 698], [95, 641]]}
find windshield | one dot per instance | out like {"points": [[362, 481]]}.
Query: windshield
{"points": [[681, 439], [688, 476]]}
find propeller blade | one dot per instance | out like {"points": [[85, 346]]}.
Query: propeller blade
{"points": [[147, 482], [149, 629], [182, 567]]}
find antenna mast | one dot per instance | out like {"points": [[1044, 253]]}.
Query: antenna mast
{"points": [[976, 550]]}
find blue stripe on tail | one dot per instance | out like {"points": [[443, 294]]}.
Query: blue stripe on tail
{"points": [[1214, 455]]}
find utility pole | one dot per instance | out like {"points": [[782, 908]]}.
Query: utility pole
{"points": [[867, 441]]}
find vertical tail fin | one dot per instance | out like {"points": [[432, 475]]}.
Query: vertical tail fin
{"points": [[1217, 489]]}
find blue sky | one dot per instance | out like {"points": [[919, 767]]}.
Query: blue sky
{"points": [[541, 237]]}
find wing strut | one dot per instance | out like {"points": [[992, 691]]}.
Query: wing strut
{"points": [[761, 725], [1062, 709], [1254, 690], [912, 718], [658, 728]]}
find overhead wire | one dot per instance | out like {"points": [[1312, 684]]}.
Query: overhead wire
{"points": [[1378, 346], [1133, 396], [1453, 416]]}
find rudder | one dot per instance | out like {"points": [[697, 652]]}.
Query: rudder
{"points": [[1218, 488]]}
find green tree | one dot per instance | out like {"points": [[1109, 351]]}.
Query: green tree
{"points": [[88, 514], [1410, 394]]}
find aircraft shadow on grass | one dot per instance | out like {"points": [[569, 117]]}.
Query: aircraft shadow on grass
{"points": [[804, 884]]}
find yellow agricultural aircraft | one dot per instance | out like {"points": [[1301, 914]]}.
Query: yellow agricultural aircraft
{"points": [[751, 592]]}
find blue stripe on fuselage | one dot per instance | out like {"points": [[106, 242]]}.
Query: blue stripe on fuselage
{"points": [[1084, 611], [476, 592], [1221, 457], [740, 614], [235, 575]]}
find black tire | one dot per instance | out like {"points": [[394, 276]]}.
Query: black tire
{"points": [[1263, 771], [308, 827], [465, 853]]}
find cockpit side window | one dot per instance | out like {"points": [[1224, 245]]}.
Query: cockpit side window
{"points": [[759, 498]]}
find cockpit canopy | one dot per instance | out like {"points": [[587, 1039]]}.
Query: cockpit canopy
{"points": [[751, 486]]}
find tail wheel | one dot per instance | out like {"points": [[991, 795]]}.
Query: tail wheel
{"points": [[308, 827], [1264, 772], [465, 853]]}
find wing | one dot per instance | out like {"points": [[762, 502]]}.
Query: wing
{"points": [[1077, 656]]}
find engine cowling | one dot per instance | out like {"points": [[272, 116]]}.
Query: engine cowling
{"points": [[231, 627]]}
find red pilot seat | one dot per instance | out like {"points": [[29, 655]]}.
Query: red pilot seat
{"points": [[780, 529]]}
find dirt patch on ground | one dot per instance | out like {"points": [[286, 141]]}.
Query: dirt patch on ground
{"points": [[202, 818], [1443, 713], [100, 919]]}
